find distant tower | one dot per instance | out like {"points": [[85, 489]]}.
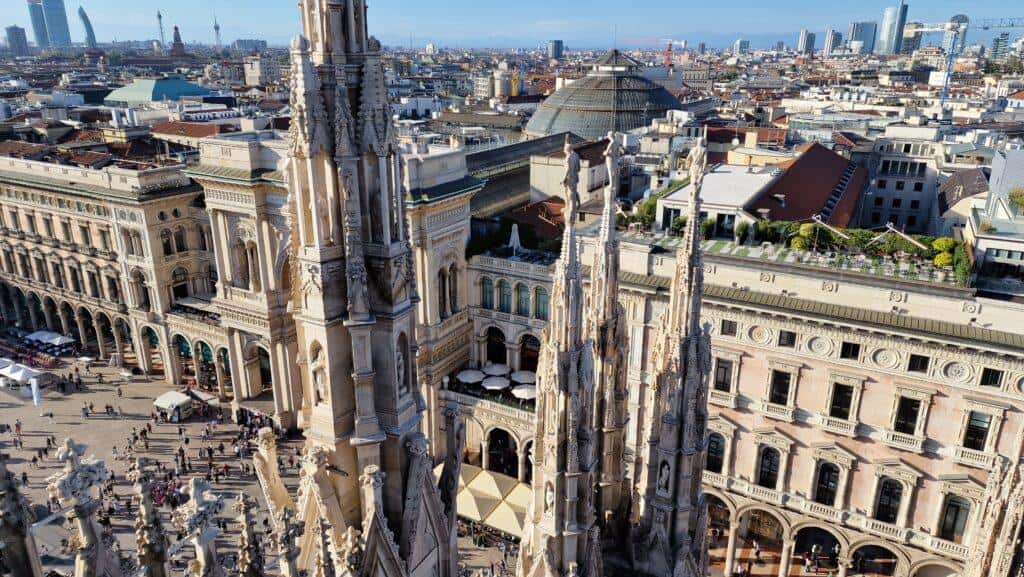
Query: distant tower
{"points": [[216, 32], [668, 55], [160, 22], [90, 35], [35, 11], [177, 46]]}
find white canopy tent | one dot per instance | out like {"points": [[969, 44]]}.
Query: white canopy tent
{"points": [[49, 338], [19, 373]]}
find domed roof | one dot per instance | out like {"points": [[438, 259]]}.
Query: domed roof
{"points": [[611, 97]]}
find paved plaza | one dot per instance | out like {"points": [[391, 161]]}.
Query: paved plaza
{"points": [[107, 437]]}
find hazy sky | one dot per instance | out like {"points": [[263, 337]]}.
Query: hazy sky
{"points": [[516, 23]]}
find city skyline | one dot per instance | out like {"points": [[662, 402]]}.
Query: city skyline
{"points": [[401, 24]]}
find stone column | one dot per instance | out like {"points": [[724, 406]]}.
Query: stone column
{"points": [[522, 463], [512, 355], [33, 317], [100, 345], [786, 559], [81, 330], [118, 344], [51, 325], [730, 548], [481, 356], [18, 311], [844, 565], [484, 456], [65, 324], [142, 353], [5, 312], [219, 370]]}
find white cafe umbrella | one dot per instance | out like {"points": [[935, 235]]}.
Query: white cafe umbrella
{"points": [[470, 376], [495, 383], [496, 370], [524, 377], [525, 392]]}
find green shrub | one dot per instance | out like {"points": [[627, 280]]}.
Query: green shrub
{"points": [[961, 265], [707, 229], [944, 244], [806, 230], [943, 260], [762, 231], [799, 243], [1017, 197], [742, 231], [678, 225]]}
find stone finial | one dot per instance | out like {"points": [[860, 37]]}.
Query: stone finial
{"points": [[75, 481]]}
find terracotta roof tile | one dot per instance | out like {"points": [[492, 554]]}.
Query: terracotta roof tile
{"points": [[807, 184]]}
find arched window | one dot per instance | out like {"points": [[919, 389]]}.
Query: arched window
{"points": [[827, 484], [486, 293], [453, 289], [522, 300], [716, 453], [442, 293], [202, 238], [240, 271], [497, 350], [179, 239], [768, 468], [504, 296], [955, 512], [165, 240], [541, 304], [529, 353], [179, 283], [890, 492]]}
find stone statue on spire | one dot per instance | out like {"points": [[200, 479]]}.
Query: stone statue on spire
{"points": [[571, 182]]}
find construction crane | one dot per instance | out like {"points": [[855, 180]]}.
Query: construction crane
{"points": [[669, 42], [959, 26]]}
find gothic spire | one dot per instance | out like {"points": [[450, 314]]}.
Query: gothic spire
{"points": [[560, 536], [675, 515], [151, 542], [14, 523], [606, 327], [250, 553]]}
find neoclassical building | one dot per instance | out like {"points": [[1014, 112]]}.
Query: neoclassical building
{"points": [[109, 255], [874, 413]]}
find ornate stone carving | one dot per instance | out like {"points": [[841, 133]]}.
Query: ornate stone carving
{"points": [[885, 358], [760, 334], [956, 371], [820, 346]]}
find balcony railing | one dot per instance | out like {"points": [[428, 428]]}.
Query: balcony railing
{"points": [[903, 441], [778, 412], [973, 458], [722, 399], [839, 426]]}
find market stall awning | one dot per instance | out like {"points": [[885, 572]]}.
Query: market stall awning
{"points": [[475, 506], [496, 500]]}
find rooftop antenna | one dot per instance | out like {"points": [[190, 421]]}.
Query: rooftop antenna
{"points": [[160, 22]]}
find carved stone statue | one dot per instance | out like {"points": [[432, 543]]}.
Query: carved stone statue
{"points": [[698, 163], [572, 177]]}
